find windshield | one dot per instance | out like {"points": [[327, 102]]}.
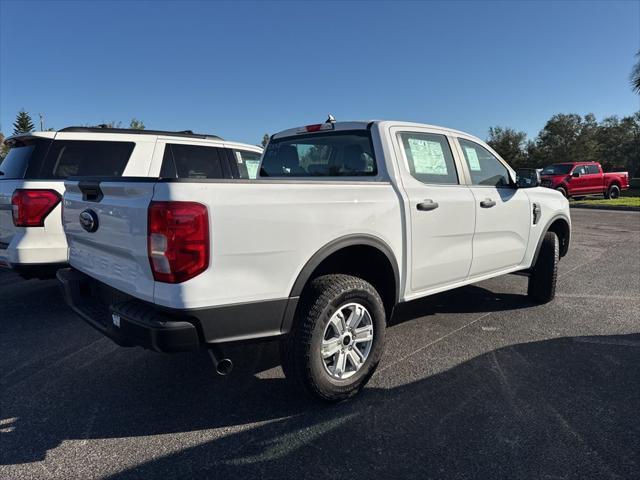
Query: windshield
{"points": [[557, 169], [332, 154]]}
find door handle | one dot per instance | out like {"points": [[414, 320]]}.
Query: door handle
{"points": [[487, 203], [427, 205]]}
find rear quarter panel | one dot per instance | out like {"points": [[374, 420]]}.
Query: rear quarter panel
{"points": [[264, 232]]}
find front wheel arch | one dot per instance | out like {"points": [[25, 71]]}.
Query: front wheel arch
{"points": [[561, 227]]}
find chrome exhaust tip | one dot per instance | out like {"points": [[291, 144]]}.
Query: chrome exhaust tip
{"points": [[222, 365]]}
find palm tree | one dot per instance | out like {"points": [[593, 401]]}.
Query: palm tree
{"points": [[635, 75]]}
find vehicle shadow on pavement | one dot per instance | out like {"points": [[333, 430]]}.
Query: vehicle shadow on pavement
{"points": [[564, 407], [467, 299]]}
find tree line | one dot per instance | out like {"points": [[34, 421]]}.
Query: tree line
{"points": [[614, 142]]}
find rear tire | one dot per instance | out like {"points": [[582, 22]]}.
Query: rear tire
{"points": [[613, 192], [563, 191], [542, 282], [305, 351]]}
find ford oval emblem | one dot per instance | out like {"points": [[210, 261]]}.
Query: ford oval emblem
{"points": [[89, 220]]}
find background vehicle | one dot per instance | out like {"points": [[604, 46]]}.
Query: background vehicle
{"points": [[346, 220], [32, 178], [584, 178]]}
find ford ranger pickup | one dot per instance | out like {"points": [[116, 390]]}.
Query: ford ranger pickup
{"points": [[345, 221]]}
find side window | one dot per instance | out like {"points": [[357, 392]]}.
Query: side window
{"points": [[248, 163], [591, 169], [429, 157], [581, 169], [485, 168], [192, 161], [69, 158]]}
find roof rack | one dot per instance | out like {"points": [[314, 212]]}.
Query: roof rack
{"points": [[106, 129]]}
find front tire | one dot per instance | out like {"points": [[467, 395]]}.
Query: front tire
{"points": [[337, 339], [544, 274]]}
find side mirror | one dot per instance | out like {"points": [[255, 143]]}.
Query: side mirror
{"points": [[527, 178], [575, 174]]}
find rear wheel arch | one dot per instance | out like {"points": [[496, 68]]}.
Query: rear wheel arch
{"points": [[364, 256]]}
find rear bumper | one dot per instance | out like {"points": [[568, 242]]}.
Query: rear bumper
{"points": [[127, 321], [33, 250], [132, 322]]}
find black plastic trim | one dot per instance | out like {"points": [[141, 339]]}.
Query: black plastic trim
{"points": [[544, 232], [37, 270], [339, 244], [134, 131], [165, 329]]}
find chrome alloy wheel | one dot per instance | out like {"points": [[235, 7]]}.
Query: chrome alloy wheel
{"points": [[347, 341]]}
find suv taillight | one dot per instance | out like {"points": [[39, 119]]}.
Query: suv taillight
{"points": [[31, 207], [178, 240]]}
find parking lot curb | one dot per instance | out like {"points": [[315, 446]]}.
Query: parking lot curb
{"points": [[606, 207]]}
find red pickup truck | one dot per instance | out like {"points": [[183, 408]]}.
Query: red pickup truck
{"points": [[576, 179]]}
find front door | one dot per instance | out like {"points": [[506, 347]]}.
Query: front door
{"points": [[441, 211], [503, 212], [579, 184]]}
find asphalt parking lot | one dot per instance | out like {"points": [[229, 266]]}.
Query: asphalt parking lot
{"points": [[475, 383]]}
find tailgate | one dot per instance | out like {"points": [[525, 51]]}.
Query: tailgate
{"points": [[106, 226]]}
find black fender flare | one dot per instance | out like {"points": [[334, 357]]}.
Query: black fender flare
{"points": [[550, 222], [322, 254], [338, 244]]}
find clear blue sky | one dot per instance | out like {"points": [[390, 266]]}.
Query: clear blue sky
{"points": [[241, 69]]}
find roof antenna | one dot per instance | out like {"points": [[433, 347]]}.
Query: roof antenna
{"points": [[330, 119]]}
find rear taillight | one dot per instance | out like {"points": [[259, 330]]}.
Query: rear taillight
{"points": [[31, 207], [178, 240]]}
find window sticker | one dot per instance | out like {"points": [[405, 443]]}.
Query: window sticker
{"points": [[472, 158], [428, 157], [252, 168]]}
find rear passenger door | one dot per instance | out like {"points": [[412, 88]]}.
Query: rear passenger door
{"points": [[503, 212], [441, 213]]}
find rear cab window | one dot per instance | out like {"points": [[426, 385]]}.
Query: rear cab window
{"points": [[345, 153]]}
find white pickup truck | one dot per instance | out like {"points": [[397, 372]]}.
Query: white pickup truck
{"points": [[345, 221], [32, 241]]}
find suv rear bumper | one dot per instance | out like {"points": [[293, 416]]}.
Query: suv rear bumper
{"points": [[132, 322], [33, 251]]}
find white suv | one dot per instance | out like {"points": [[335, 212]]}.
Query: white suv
{"points": [[32, 176]]}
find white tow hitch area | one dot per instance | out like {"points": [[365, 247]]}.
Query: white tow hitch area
{"points": [[115, 319]]}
